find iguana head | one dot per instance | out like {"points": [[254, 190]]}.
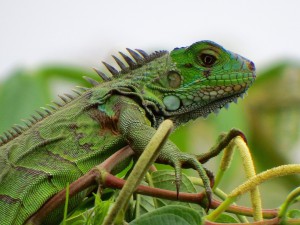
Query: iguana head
{"points": [[204, 78]]}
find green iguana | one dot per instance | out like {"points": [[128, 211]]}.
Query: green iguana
{"points": [[36, 162]]}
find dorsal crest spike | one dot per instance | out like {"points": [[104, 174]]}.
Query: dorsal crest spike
{"points": [[34, 118], [102, 75], [31, 120], [91, 81], [2, 139], [12, 134], [57, 103], [82, 88], [143, 53], [20, 127], [15, 128], [136, 56], [46, 110], [40, 113], [7, 135], [52, 107], [69, 96], [63, 98], [120, 63], [27, 123], [130, 62], [111, 69], [76, 92], [156, 54]]}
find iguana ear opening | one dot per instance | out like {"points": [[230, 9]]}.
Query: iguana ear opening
{"points": [[174, 79], [169, 80]]}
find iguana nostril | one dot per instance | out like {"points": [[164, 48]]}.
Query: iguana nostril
{"points": [[251, 66]]}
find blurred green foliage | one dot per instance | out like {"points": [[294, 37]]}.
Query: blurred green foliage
{"points": [[269, 116]]}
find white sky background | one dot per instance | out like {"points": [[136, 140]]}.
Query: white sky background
{"points": [[83, 33]]}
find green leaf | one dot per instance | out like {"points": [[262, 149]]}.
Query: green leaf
{"points": [[165, 179], [100, 210], [294, 213], [170, 215], [79, 215], [20, 94], [145, 205], [87, 214], [225, 218]]}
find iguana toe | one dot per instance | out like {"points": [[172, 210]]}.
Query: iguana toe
{"points": [[178, 176], [192, 162]]}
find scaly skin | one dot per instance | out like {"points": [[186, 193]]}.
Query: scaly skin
{"points": [[186, 84]]}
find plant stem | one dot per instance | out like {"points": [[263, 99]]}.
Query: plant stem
{"points": [[146, 159], [289, 200], [248, 168], [250, 173]]}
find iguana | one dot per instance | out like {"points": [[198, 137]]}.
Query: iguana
{"points": [[66, 142]]}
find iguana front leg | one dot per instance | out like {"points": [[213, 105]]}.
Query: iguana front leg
{"points": [[137, 131]]}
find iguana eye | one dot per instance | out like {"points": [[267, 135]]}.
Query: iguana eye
{"points": [[207, 59]]}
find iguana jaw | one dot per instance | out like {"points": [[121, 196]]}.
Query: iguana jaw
{"points": [[203, 109], [218, 104], [186, 114]]}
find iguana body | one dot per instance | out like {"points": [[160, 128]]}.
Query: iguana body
{"points": [[125, 110]]}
